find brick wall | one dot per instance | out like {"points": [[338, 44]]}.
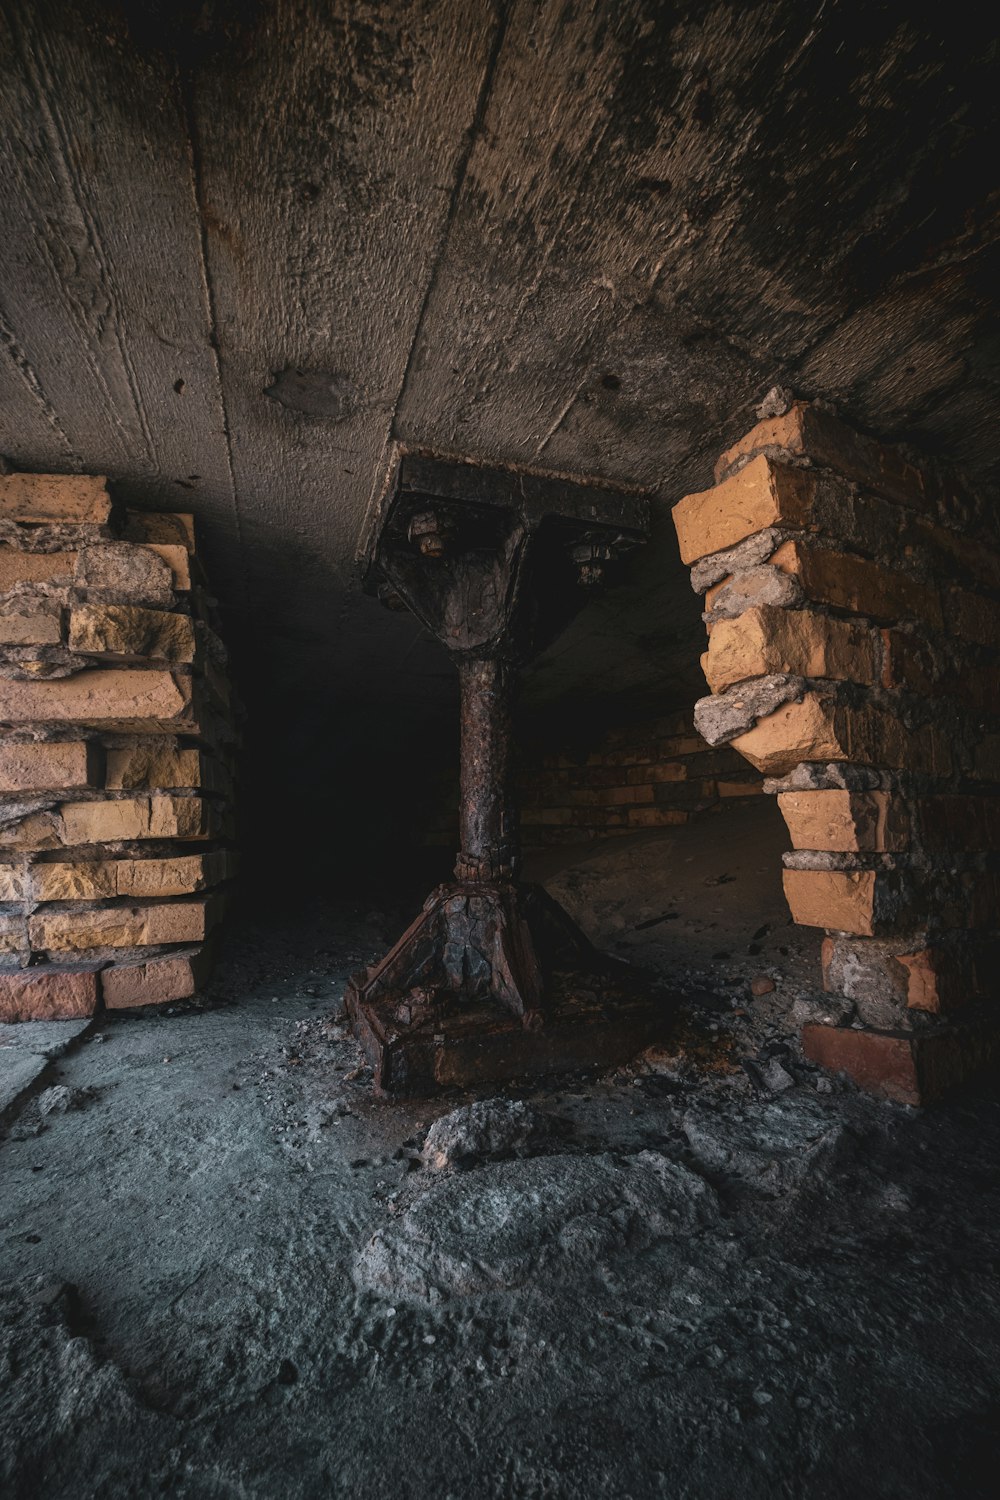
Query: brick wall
{"points": [[115, 753], [652, 775], [853, 612], [655, 774]]}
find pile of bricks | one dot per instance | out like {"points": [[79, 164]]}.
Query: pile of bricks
{"points": [[115, 742], [852, 600], [651, 775]]}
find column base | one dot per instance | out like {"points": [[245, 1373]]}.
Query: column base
{"points": [[494, 983]]}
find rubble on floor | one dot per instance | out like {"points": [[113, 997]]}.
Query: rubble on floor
{"points": [[232, 1269]]}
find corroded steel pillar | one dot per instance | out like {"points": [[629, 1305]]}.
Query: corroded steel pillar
{"points": [[492, 980]]}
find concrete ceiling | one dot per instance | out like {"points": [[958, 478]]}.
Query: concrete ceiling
{"points": [[244, 245]]}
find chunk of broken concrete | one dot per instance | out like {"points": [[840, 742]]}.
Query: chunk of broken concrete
{"points": [[725, 715], [489, 1129]]}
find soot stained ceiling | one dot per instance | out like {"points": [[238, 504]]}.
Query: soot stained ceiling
{"points": [[245, 245]]}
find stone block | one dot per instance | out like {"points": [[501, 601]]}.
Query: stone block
{"points": [[48, 993], [46, 498], [126, 818], [13, 939], [155, 981], [43, 766], [158, 764], [892, 981], [845, 821], [867, 973], [35, 567], [760, 495], [130, 630], [15, 883], [767, 641], [36, 830], [807, 432], [842, 900], [848, 582], [101, 698], [140, 879], [127, 926]]}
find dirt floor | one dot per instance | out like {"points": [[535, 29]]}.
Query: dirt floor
{"points": [[229, 1271]]}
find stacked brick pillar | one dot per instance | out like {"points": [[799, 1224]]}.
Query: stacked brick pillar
{"points": [[115, 736], [851, 601]]}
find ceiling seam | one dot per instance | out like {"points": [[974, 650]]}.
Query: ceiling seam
{"points": [[197, 195], [30, 379], [472, 136]]}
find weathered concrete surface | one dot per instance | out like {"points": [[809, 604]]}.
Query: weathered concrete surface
{"points": [[229, 1270], [27, 1049], [245, 246]]}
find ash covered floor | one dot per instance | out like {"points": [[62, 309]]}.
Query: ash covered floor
{"points": [[229, 1271]]}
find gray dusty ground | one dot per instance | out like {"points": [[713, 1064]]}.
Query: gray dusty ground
{"points": [[228, 1271]]}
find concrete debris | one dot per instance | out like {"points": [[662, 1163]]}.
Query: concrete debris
{"points": [[709, 571], [777, 401], [813, 776], [770, 1149], [520, 1223], [59, 1098], [751, 589], [824, 1010], [723, 716], [477, 1132]]}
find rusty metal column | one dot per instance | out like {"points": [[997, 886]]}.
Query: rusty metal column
{"points": [[488, 815]]}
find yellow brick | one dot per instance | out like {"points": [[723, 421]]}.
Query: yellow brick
{"points": [[129, 630], [159, 817], [76, 498], [122, 926], [768, 640], [760, 495], [845, 821], [807, 431], [840, 900], [818, 730], [161, 527], [847, 582], [35, 567], [102, 697], [97, 880], [47, 766], [156, 763]]}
